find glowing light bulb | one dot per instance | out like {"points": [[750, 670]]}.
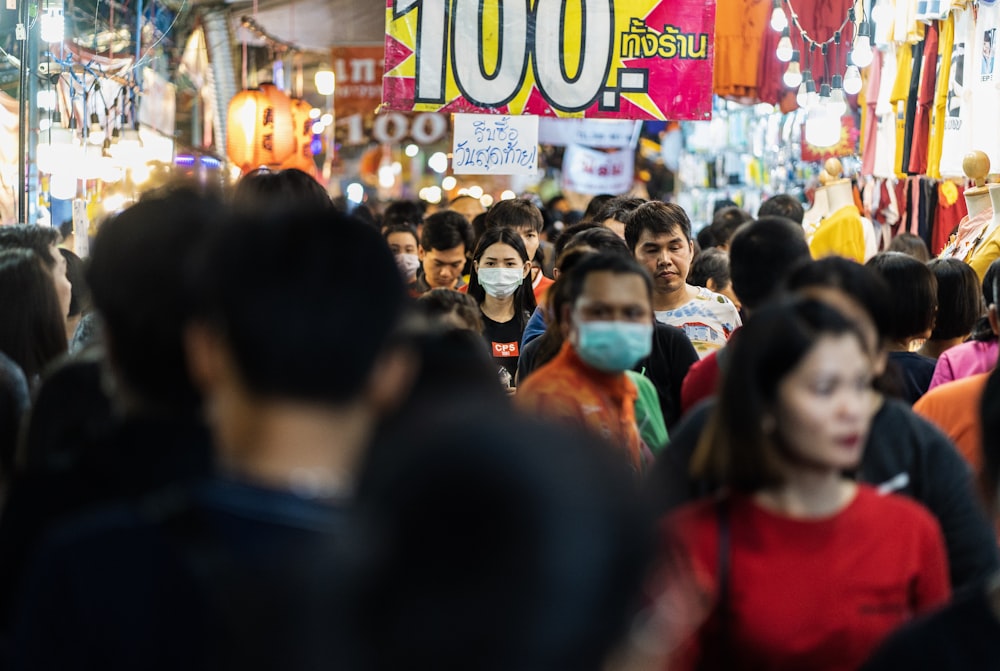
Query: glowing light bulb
{"points": [[793, 75], [852, 80], [838, 104], [778, 19], [861, 53], [53, 26], [807, 91], [784, 50]]}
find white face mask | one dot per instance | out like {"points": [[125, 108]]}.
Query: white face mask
{"points": [[408, 264], [500, 282]]}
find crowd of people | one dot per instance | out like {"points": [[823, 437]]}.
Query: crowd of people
{"points": [[254, 430]]}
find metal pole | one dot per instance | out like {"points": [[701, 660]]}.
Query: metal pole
{"points": [[23, 114]]}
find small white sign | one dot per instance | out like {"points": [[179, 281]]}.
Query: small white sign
{"points": [[590, 171], [601, 133], [491, 144], [81, 228]]}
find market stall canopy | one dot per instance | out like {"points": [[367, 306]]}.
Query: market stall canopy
{"points": [[316, 24]]}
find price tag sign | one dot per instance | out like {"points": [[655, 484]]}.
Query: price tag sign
{"points": [[641, 59], [81, 228], [486, 144]]}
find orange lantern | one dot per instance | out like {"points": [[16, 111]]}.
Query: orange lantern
{"points": [[302, 158], [259, 128]]}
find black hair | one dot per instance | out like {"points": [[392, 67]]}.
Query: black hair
{"points": [[400, 228], [595, 205], [618, 208], [405, 212], [959, 299], [914, 293], [761, 254], [604, 262], [782, 205], [14, 400], [524, 296], [79, 301], [725, 223], [705, 239], [34, 329], [982, 331], [658, 218], [279, 287], [569, 233], [912, 245], [515, 213], [446, 230], [550, 342], [439, 303], [139, 282], [38, 239], [277, 189], [711, 264], [600, 239]]}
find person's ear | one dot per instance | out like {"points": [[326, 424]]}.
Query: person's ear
{"points": [[555, 273], [205, 355], [420, 252], [391, 380], [711, 285], [527, 269]]}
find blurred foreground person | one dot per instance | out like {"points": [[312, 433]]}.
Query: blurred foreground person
{"points": [[238, 573], [966, 633], [804, 568], [33, 328], [495, 542]]}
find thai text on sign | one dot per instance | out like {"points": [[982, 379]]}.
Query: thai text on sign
{"points": [[495, 145], [642, 59]]}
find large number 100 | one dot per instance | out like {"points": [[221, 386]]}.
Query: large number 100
{"points": [[521, 33]]}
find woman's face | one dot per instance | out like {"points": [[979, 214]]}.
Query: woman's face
{"points": [[825, 405], [402, 243], [501, 255]]}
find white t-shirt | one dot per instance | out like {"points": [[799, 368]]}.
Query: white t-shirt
{"points": [[985, 81], [708, 320], [958, 108], [885, 118]]}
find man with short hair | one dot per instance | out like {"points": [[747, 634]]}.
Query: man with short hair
{"points": [[444, 243], [527, 220], [659, 234], [467, 206], [43, 241], [782, 205], [614, 213], [610, 321]]}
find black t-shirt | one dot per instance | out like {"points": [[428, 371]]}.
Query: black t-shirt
{"points": [[913, 373], [963, 635], [504, 340]]}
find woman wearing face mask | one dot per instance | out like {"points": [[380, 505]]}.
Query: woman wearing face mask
{"points": [[499, 266], [804, 568], [402, 241]]}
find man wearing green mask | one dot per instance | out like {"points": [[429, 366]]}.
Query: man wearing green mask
{"points": [[609, 328]]}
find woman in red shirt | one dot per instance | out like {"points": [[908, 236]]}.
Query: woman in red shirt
{"points": [[804, 568]]}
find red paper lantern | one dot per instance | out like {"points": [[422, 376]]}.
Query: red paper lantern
{"points": [[302, 158], [259, 129]]}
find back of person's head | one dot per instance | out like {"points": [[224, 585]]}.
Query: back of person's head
{"points": [[618, 208], [281, 290], [139, 282], [446, 230], [546, 572], [782, 205], [79, 301], [959, 301], [33, 331], [569, 233], [982, 331], [711, 264], [736, 448], [657, 218], [761, 254], [914, 294], [721, 204], [595, 205], [616, 264], [278, 189], [705, 239], [989, 476], [598, 239], [39, 239], [515, 213], [14, 400], [911, 245], [451, 308], [725, 223], [409, 212]]}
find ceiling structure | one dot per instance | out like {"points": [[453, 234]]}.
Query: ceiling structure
{"points": [[315, 25]]}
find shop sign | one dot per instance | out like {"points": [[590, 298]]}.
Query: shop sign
{"points": [[487, 144], [602, 133], [590, 171], [642, 59], [392, 128]]}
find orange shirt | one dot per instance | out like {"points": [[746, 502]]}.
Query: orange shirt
{"points": [[567, 389], [954, 408], [540, 286]]}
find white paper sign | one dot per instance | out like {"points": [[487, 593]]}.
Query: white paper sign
{"points": [[589, 171], [81, 228], [490, 144], [601, 133]]}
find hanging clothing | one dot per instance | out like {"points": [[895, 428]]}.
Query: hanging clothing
{"points": [[923, 102], [740, 27], [955, 142], [869, 124], [946, 45], [840, 234], [985, 94], [951, 209], [885, 112]]}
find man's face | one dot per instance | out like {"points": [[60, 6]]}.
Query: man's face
{"points": [[469, 208], [667, 257], [63, 288], [530, 238], [442, 267], [612, 297]]}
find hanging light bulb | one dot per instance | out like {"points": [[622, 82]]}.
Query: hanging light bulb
{"points": [[838, 103], [778, 20], [822, 123], [807, 90], [793, 75], [53, 25], [784, 50], [852, 80], [861, 54]]}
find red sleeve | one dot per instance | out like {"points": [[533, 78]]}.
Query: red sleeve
{"points": [[700, 382]]}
